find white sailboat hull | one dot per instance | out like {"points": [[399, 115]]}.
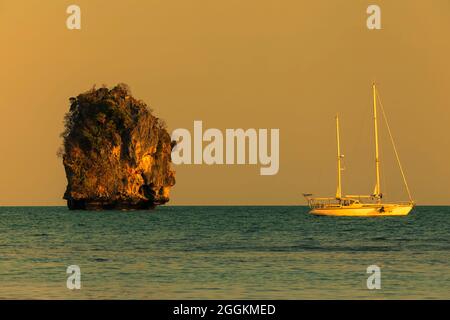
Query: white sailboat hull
{"points": [[376, 210]]}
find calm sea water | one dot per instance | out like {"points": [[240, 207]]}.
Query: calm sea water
{"points": [[222, 252]]}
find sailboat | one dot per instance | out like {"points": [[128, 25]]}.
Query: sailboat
{"points": [[362, 205]]}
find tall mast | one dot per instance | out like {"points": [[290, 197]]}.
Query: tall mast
{"points": [[377, 192], [339, 187]]}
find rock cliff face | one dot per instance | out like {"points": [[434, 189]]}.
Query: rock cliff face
{"points": [[116, 154]]}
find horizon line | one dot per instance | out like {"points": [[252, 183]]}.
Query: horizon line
{"points": [[209, 205]]}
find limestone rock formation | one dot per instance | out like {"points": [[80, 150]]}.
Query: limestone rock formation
{"points": [[116, 153]]}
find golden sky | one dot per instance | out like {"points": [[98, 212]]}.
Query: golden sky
{"points": [[284, 64]]}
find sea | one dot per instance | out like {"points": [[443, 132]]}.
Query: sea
{"points": [[222, 252]]}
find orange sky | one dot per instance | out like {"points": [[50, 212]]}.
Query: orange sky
{"points": [[284, 64]]}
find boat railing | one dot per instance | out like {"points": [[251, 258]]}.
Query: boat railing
{"points": [[322, 202]]}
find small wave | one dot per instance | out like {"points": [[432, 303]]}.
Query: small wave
{"points": [[379, 238], [101, 260]]}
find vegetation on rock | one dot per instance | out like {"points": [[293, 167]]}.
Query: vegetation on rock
{"points": [[116, 153]]}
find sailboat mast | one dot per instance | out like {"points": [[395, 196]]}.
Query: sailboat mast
{"points": [[377, 192], [339, 186]]}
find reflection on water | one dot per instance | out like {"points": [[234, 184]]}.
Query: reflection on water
{"points": [[222, 252]]}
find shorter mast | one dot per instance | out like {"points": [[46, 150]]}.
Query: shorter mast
{"points": [[339, 186], [377, 192]]}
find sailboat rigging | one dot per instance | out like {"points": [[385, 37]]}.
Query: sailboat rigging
{"points": [[362, 205]]}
